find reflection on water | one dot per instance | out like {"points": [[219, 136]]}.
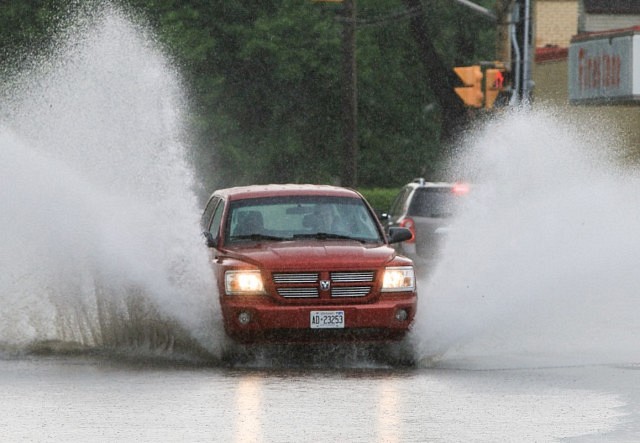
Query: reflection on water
{"points": [[388, 423], [79, 400], [248, 402], [317, 405]]}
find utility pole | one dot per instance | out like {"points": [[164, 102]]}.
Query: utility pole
{"points": [[503, 42], [526, 42], [349, 96], [440, 77], [519, 39]]}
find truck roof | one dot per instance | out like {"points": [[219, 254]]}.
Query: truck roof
{"points": [[275, 190]]}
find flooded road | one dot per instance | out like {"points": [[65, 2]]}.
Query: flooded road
{"points": [[89, 399]]}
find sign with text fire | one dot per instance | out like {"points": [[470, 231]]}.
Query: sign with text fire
{"points": [[604, 67]]}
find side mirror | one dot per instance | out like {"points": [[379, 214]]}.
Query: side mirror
{"points": [[397, 235], [211, 241]]}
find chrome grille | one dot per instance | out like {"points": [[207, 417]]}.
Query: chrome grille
{"points": [[349, 277], [350, 291], [298, 292], [285, 278], [344, 284]]}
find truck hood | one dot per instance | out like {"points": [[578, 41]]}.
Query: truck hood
{"points": [[313, 255]]}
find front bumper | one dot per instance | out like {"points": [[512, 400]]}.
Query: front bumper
{"points": [[277, 323]]}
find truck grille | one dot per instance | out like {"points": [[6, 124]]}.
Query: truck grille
{"points": [[307, 284], [356, 291], [349, 277], [295, 278], [298, 292]]}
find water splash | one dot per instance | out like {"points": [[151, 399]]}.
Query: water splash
{"points": [[99, 226], [542, 267]]}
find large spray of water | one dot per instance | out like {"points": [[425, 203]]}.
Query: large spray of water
{"points": [[100, 240], [99, 228], [542, 266]]}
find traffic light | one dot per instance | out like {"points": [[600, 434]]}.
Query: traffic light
{"points": [[494, 83], [471, 93]]}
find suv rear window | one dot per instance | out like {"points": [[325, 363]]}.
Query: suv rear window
{"points": [[433, 202]]}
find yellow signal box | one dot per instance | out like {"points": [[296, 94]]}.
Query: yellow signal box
{"points": [[494, 79], [471, 93]]}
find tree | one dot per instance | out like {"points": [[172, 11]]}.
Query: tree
{"points": [[264, 79], [440, 77]]}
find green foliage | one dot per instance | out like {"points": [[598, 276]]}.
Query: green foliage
{"points": [[380, 198], [26, 27], [264, 81]]}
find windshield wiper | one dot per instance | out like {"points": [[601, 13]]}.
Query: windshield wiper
{"points": [[258, 237], [327, 236]]}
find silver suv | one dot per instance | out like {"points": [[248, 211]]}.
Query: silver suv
{"points": [[426, 209]]}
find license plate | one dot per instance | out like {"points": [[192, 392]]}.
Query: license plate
{"points": [[326, 319]]}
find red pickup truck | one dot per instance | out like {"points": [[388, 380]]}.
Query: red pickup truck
{"points": [[307, 263]]}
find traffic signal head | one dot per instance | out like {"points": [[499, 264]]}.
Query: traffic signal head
{"points": [[494, 84], [471, 93]]}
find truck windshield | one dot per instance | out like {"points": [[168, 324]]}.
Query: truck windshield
{"points": [[295, 217]]}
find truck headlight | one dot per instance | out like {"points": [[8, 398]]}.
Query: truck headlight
{"points": [[243, 282], [400, 278]]}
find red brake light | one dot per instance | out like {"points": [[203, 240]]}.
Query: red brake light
{"points": [[460, 188], [411, 226]]}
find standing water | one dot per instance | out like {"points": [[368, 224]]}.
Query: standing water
{"points": [[99, 225], [543, 265]]}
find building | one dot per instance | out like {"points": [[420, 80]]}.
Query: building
{"points": [[558, 23], [603, 15]]}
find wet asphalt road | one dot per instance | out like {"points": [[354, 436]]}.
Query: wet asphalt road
{"points": [[95, 399]]}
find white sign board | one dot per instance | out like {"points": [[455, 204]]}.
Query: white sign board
{"points": [[604, 67]]}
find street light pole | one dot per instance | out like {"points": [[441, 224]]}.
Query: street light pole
{"points": [[520, 31], [349, 96]]}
